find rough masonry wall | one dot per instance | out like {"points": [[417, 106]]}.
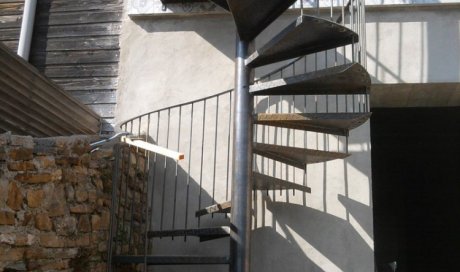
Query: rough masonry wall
{"points": [[54, 204]]}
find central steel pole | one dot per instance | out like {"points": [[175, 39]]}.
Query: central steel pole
{"points": [[240, 245]]}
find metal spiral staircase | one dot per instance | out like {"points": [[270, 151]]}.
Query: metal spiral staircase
{"points": [[209, 195]]}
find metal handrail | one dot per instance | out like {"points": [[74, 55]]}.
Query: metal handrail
{"points": [[175, 106]]}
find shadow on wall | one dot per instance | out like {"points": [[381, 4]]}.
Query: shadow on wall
{"points": [[317, 242], [216, 30], [329, 229], [416, 47]]}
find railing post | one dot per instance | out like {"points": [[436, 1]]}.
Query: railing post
{"points": [[242, 164]]}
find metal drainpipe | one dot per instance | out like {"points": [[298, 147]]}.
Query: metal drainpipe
{"points": [[240, 243], [27, 28]]}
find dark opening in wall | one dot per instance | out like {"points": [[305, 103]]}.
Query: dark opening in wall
{"points": [[416, 188]]}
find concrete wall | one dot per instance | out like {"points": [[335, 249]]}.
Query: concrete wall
{"points": [[413, 56], [166, 61]]}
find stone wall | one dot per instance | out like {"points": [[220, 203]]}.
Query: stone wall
{"points": [[54, 204]]}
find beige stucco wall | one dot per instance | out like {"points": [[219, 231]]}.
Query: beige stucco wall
{"points": [[413, 56]]}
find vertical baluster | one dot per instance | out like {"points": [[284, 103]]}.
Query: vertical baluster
{"points": [[201, 164], [268, 136], [332, 10], [215, 155], [228, 146], [301, 7], [305, 144], [368, 106], [147, 176], [139, 126], [125, 206], [293, 143], [176, 172], [134, 187], [281, 137], [165, 172], [153, 180], [354, 103], [188, 169]]}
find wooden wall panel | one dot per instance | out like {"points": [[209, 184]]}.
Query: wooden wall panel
{"points": [[10, 22], [31, 104], [76, 44]]}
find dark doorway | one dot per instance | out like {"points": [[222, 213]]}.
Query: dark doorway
{"points": [[416, 188]]}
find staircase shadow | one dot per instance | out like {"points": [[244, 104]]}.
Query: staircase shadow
{"points": [[322, 243]]}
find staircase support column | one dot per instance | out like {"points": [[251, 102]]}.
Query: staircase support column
{"points": [[240, 244]]}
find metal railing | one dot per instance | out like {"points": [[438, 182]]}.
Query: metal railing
{"points": [[201, 130]]}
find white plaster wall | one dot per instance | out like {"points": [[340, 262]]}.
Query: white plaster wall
{"points": [[414, 45], [166, 61]]}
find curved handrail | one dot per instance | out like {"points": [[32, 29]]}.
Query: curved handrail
{"points": [[175, 106]]}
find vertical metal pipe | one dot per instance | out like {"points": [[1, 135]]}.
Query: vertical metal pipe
{"points": [[242, 165], [27, 28]]}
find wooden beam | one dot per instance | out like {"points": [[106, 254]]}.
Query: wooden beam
{"points": [[154, 148]]}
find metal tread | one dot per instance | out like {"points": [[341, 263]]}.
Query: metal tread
{"points": [[221, 3], [349, 78], [169, 260], [331, 123], [205, 234], [264, 182], [295, 156], [306, 35], [224, 207], [251, 17]]}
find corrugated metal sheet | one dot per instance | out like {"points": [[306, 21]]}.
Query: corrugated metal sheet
{"points": [[31, 104]]}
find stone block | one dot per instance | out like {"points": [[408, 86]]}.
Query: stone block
{"points": [[24, 141], [5, 138], [51, 240], [81, 195], [45, 146], [101, 222], [20, 154], [35, 198], [11, 254], [15, 197], [17, 239], [21, 166], [55, 265], [69, 192], [82, 208], [36, 178], [56, 208], [67, 161], [84, 225], [43, 222], [44, 162], [65, 225], [6, 218], [33, 253]]}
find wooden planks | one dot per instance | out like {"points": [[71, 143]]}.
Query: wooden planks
{"points": [[33, 105], [10, 22], [76, 44]]}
